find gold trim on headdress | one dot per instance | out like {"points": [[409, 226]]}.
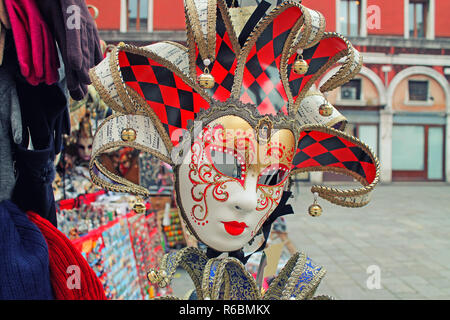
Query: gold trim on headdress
{"points": [[352, 198]]}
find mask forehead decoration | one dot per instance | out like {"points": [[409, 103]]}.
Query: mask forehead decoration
{"points": [[234, 114]]}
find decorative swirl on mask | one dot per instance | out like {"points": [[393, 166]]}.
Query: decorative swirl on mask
{"points": [[219, 193], [269, 199], [203, 176], [277, 150]]}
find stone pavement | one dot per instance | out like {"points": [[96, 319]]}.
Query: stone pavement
{"points": [[401, 241], [404, 232]]}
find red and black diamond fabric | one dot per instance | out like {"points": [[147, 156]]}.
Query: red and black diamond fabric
{"points": [[172, 100], [321, 149], [316, 56], [261, 83], [223, 68]]}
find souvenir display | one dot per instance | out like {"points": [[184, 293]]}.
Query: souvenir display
{"points": [[77, 217], [234, 114], [120, 264], [173, 230], [148, 250], [94, 256], [116, 253], [106, 231]]}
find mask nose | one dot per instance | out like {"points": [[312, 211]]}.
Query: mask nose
{"points": [[245, 199]]}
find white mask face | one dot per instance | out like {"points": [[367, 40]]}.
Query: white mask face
{"points": [[229, 184]]}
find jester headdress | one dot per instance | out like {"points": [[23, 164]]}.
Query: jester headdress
{"points": [[234, 144]]}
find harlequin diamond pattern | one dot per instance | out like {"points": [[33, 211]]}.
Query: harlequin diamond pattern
{"points": [[172, 100], [224, 67], [316, 57], [261, 79], [319, 149]]}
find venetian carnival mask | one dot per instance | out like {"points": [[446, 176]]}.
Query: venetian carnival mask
{"points": [[234, 114], [84, 145], [232, 178]]}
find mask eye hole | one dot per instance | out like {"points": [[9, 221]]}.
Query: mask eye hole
{"points": [[273, 175], [227, 162]]}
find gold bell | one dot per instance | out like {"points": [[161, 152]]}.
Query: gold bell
{"points": [[158, 277], [300, 65], [206, 80], [139, 207], [128, 135], [152, 276], [315, 209], [325, 110]]}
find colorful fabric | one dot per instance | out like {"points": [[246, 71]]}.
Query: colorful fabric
{"points": [[36, 48], [24, 267], [70, 274], [79, 44]]}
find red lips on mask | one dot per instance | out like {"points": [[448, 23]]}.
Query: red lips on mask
{"points": [[234, 228]]}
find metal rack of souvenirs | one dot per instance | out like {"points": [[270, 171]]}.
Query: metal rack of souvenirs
{"points": [[118, 243]]}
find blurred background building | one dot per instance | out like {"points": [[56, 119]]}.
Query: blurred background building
{"points": [[399, 103]]}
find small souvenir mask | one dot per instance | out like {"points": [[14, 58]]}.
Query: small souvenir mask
{"points": [[84, 148]]}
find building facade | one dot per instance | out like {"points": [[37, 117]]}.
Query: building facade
{"points": [[399, 104]]}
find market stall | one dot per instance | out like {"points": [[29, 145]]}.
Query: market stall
{"points": [[121, 243]]}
